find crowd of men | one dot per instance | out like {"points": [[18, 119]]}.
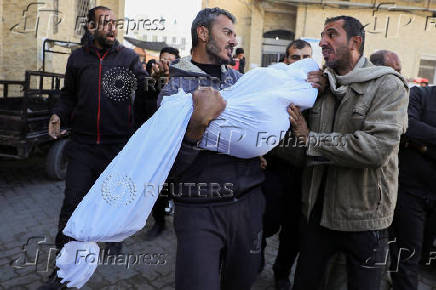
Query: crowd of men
{"points": [[377, 184]]}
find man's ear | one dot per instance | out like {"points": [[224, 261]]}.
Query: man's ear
{"points": [[356, 42], [91, 26], [203, 33]]}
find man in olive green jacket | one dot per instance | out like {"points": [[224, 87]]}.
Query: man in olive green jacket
{"points": [[350, 178]]}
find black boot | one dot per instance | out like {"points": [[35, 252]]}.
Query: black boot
{"points": [[53, 283], [281, 277], [283, 284]]}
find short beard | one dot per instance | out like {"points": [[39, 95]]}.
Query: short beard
{"points": [[103, 41], [213, 51], [343, 59]]}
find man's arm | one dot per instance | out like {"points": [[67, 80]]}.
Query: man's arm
{"points": [[208, 104], [188, 149], [381, 131], [61, 112], [169, 89], [143, 94], [68, 96], [419, 130]]}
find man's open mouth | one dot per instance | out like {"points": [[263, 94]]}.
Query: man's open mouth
{"points": [[326, 52]]}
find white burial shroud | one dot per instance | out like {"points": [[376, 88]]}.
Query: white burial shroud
{"points": [[121, 199]]}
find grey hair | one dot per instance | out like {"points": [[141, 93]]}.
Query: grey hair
{"points": [[205, 18]]}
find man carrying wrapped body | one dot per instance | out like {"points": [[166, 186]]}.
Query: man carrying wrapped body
{"points": [[120, 200]]}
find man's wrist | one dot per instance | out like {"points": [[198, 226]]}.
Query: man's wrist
{"points": [[194, 132]]}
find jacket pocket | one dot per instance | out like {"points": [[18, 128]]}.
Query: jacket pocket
{"points": [[363, 195], [358, 116], [379, 189], [314, 118]]}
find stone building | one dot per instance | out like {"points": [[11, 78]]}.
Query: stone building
{"points": [[264, 27], [26, 24]]}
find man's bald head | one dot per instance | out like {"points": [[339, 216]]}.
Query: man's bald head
{"points": [[387, 58]]}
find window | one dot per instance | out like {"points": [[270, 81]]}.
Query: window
{"points": [[427, 69], [154, 38], [174, 39], [271, 58], [164, 39]]}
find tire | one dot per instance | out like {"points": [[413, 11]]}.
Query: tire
{"points": [[56, 162]]}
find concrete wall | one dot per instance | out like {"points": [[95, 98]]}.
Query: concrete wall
{"points": [[61, 28], [19, 46], [21, 43], [1, 42], [279, 20], [256, 33]]}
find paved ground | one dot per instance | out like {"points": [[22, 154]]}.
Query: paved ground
{"points": [[29, 207]]}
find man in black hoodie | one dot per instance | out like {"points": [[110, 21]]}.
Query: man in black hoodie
{"points": [[101, 81]]}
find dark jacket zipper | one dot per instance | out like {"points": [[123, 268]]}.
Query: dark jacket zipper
{"points": [[99, 92]]}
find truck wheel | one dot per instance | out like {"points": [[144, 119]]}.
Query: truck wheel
{"points": [[56, 163]]}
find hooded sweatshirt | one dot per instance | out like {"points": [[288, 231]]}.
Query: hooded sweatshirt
{"points": [[98, 94]]}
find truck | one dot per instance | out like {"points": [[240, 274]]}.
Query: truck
{"points": [[25, 110]]}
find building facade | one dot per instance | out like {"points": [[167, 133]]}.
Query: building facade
{"points": [[265, 27], [173, 22], [26, 24]]}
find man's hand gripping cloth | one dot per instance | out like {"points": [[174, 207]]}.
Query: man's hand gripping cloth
{"points": [[121, 199], [256, 116]]}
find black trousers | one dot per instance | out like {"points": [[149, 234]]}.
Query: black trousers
{"points": [[158, 211], [282, 189], [218, 245], [408, 230], [365, 252], [86, 163]]}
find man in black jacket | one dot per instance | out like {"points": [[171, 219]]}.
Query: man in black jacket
{"points": [[282, 189], [417, 187], [101, 81], [219, 203]]}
